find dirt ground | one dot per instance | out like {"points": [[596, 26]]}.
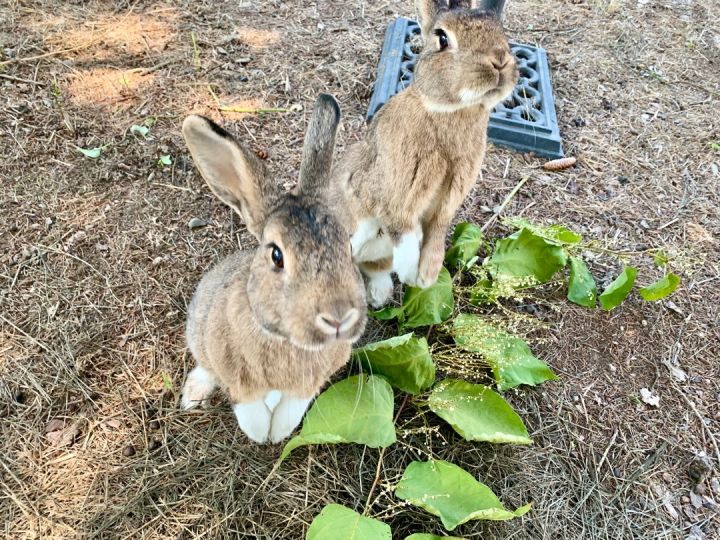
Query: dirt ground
{"points": [[97, 265]]}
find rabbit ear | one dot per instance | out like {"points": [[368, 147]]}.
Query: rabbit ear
{"points": [[235, 175], [427, 11], [319, 146], [494, 7]]}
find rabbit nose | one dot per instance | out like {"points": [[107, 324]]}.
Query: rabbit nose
{"points": [[499, 64], [332, 325]]}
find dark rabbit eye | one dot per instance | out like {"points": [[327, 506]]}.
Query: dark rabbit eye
{"points": [[442, 39], [276, 256]]}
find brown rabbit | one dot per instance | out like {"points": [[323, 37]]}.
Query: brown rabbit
{"points": [[406, 179], [270, 326]]}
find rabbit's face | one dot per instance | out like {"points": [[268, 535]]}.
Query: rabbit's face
{"points": [[303, 285], [466, 61]]}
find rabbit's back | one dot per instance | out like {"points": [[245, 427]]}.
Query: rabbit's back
{"points": [[419, 151]]}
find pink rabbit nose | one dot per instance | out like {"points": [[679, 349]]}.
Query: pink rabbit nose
{"points": [[333, 326]]}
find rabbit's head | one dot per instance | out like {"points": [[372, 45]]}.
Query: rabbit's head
{"points": [[466, 59], [303, 285]]}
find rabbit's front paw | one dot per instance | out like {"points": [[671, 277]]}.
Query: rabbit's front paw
{"points": [[379, 289], [430, 264], [287, 416], [254, 419], [406, 256], [199, 385]]}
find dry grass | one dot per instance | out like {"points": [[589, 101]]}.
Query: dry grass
{"points": [[97, 264]]}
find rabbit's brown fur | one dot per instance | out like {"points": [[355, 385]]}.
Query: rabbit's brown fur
{"points": [[256, 325], [424, 148]]}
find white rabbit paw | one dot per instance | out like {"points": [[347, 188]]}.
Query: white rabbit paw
{"points": [[406, 256], [199, 385], [254, 419], [286, 416]]}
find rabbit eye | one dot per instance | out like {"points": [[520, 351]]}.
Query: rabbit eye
{"points": [[276, 256], [442, 39]]}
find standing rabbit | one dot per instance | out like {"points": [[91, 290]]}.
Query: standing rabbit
{"points": [[270, 326], [423, 150]]}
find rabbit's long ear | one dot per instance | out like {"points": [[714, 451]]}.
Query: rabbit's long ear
{"points": [[427, 12], [491, 6], [235, 175], [319, 146]]}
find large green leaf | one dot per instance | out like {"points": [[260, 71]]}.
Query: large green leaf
{"points": [[451, 493], [422, 307], [661, 288], [554, 233], [618, 290], [358, 409], [466, 240], [337, 522], [404, 361], [510, 358], [477, 413], [581, 286], [425, 536], [525, 254]]}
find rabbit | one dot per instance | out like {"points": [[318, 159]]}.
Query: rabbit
{"points": [[405, 180], [270, 326]]}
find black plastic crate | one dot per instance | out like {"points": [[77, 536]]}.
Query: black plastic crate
{"points": [[526, 121]]}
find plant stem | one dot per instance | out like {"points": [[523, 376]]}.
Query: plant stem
{"points": [[505, 203], [380, 460]]}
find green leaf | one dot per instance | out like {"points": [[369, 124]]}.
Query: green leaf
{"points": [[150, 121], [425, 536], [661, 258], [165, 161], [423, 307], [404, 361], [661, 288], [509, 357], [451, 493], [466, 240], [525, 254], [477, 413], [387, 313], [93, 153], [357, 410], [167, 381], [554, 233], [618, 290], [582, 289], [337, 522], [142, 130]]}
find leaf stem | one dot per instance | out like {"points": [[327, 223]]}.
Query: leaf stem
{"points": [[380, 460], [507, 200]]}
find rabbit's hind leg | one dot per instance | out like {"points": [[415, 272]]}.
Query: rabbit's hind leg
{"points": [[199, 385]]}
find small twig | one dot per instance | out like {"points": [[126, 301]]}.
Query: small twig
{"points": [[18, 79], [252, 111], [507, 200], [705, 428], [196, 50], [380, 460]]}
